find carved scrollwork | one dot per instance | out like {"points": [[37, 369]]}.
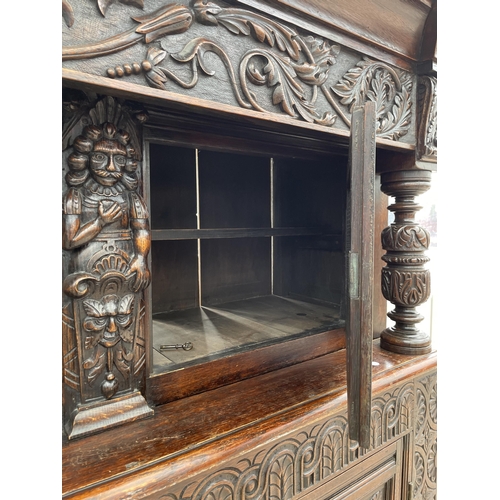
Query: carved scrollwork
{"points": [[167, 20], [295, 68], [67, 13]]}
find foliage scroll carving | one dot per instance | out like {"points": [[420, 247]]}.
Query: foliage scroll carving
{"points": [[294, 67]]}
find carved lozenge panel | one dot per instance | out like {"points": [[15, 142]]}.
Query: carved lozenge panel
{"points": [[238, 57]]}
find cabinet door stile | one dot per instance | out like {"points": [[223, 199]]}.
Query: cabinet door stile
{"points": [[360, 243]]}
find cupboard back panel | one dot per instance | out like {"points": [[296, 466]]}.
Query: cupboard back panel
{"points": [[234, 190], [309, 268], [235, 269], [309, 193], [173, 187], [174, 273]]}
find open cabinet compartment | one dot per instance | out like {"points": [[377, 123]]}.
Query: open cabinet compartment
{"points": [[247, 251]]}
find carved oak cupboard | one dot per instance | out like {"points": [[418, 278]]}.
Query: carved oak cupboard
{"points": [[227, 255]]}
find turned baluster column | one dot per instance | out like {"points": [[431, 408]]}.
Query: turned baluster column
{"points": [[405, 280]]}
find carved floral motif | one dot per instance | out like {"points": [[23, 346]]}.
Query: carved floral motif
{"points": [[390, 90]]}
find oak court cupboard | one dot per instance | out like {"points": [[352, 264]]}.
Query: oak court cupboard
{"points": [[228, 169]]}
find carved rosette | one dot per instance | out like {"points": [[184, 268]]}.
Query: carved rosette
{"points": [[106, 239], [405, 280], [303, 460], [425, 457]]}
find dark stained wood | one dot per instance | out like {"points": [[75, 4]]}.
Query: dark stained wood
{"points": [[406, 282], [193, 234], [235, 269], [389, 30], [196, 433], [235, 190], [269, 420], [107, 240], [177, 384], [359, 286], [174, 275], [379, 302], [172, 177], [207, 112]]}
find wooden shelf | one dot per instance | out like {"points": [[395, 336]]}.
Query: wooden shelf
{"points": [[254, 232]]}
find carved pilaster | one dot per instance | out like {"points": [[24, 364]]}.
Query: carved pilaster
{"points": [[106, 240], [425, 456], [405, 280]]}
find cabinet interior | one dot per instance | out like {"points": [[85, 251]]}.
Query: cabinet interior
{"points": [[247, 250]]}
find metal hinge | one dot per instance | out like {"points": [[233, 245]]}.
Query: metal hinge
{"points": [[410, 491], [353, 275]]}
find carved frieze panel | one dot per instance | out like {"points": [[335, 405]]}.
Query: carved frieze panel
{"points": [[106, 240], [305, 459], [239, 57]]}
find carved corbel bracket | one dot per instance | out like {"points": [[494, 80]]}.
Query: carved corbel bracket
{"points": [[405, 280], [427, 127]]}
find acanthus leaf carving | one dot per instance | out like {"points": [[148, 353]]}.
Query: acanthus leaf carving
{"points": [[378, 82], [242, 22], [295, 67]]}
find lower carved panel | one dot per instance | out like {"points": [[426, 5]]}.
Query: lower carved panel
{"points": [[305, 459], [425, 458]]}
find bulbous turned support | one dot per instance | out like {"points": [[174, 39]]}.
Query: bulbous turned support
{"points": [[405, 281]]}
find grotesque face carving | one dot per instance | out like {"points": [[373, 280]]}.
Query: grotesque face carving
{"points": [[108, 318]]}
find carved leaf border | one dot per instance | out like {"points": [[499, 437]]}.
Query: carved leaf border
{"points": [[297, 463], [294, 67]]}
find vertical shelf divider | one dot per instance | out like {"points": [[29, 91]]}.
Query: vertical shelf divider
{"points": [[198, 221]]}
